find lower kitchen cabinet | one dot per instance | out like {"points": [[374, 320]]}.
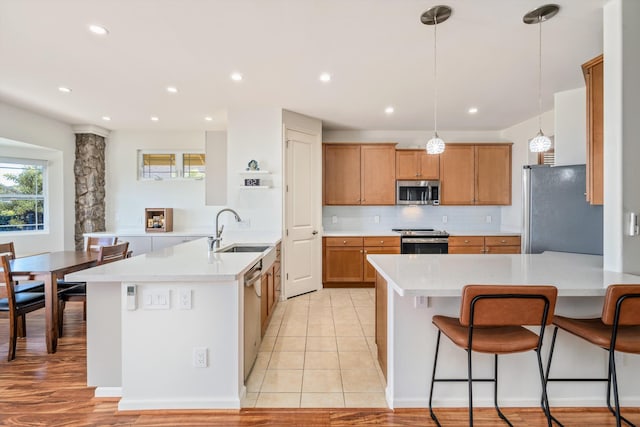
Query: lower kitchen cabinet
{"points": [[381, 322], [344, 261], [484, 244], [270, 290]]}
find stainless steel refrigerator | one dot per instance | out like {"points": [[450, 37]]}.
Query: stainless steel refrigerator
{"points": [[557, 216]]}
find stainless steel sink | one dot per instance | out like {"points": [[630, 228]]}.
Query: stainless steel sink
{"points": [[245, 249]]}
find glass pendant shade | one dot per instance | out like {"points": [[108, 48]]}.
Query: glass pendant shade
{"points": [[538, 144], [435, 145]]}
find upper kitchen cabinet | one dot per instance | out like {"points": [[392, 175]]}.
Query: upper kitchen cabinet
{"points": [[359, 174], [417, 164], [593, 76], [476, 174]]}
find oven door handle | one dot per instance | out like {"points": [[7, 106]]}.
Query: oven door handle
{"points": [[425, 240]]}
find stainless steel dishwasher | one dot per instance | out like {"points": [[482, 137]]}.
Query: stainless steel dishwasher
{"points": [[252, 326]]}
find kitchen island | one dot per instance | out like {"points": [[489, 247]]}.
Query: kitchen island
{"points": [[179, 344], [411, 289]]}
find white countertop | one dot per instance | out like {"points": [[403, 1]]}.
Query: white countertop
{"points": [[368, 233], [358, 233], [445, 275], [190, 261]]}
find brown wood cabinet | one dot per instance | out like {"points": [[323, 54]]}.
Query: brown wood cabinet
{"points": [[476, 174], [484, 244], [381, 322], [593, 75], [359, 174], [270, 290], [344, 260], [417, 164]]}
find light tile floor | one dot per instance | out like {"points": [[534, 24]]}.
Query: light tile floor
{"points": [[319, 352]]}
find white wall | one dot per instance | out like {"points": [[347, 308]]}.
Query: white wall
{"points": [[570, 139], [520, 134], [621, 133], [127, 196], [55, 141], [255, 134]]}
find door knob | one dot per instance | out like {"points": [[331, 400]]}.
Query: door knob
{"points": [[314, 232]]}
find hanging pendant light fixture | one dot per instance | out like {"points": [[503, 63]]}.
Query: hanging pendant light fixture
{"points": [[434, 16], [540, 143]]}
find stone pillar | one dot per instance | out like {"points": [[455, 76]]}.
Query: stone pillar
{"points": [[89, 169]]}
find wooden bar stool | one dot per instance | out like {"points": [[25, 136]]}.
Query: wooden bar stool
{"points": [[617, 330], [492, 320]]}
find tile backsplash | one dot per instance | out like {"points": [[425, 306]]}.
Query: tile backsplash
{"points": [[449, 218]]}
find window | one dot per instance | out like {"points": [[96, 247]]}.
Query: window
{"points": [[170, 165], [22, 195]]}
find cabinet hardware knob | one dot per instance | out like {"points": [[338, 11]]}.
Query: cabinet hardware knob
{"points": [[503, 241], [361, 251], [365, 251], [381, 241], [466, 241], [344, 242]]}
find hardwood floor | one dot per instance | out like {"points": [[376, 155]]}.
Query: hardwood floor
{"points": [[37, 389]]}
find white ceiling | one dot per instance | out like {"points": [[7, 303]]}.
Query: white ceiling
{"points": [[377, 51]]}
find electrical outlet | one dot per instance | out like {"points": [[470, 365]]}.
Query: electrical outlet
{"points": [[334, 219], [184, 299], [488, 219], [444, 219], [376, 219], [200, 357], [421, 301]]}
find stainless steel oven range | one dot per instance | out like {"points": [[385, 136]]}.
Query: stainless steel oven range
{"points": [[423, 241]]}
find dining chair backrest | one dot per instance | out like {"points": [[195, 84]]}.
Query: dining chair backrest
{"points": [[507, 305], [8, 281], [93, 243], [629, 307], [8, 249], [112, 253]]}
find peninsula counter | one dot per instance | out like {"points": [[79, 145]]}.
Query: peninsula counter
{"points": [[411, 289], [146, 354]]}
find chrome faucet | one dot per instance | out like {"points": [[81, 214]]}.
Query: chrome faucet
{"points": [[218, 237]]}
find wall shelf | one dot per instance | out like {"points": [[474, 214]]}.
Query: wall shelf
{"points": [[254, 187], [258, 172]]}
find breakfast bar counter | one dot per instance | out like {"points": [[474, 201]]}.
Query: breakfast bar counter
{"points": [[411, 289]]}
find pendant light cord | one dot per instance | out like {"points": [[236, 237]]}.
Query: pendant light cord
{"points": [[435, 75], [540, 73]]}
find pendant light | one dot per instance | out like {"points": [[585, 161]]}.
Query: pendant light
{"points": [[540, 143], [434, 16]]}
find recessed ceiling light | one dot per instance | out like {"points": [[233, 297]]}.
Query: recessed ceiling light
{"points": [[64, 89], [389, 110], [325, 77], [106, 118], [154, 119], [99, 30], [472, 110], [208, 118], [172, 89], [236, 77]]}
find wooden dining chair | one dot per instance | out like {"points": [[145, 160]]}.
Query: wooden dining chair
{"points": [[77, 291], [492, 320], [618, 329], [106, 254], [23, 284], [17, 305]]}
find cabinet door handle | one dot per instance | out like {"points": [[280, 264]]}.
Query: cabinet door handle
{"points": [[503, 241]]}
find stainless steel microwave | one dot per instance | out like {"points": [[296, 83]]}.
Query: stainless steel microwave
{"points": [[417, 193]]}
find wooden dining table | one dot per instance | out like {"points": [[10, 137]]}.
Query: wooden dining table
{"points": [[49, 267]]}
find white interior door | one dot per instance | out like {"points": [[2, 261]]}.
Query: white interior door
{"points": [[303, 212]]}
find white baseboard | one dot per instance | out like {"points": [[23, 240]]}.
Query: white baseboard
{"points": [[147, 404], [506, 403], [108, 392]]}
